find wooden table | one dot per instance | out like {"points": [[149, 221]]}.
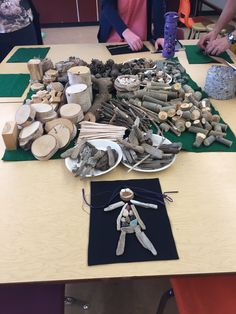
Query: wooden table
{"points": [[44, 231]]}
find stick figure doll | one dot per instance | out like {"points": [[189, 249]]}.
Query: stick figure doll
{"points": [[129, 220]]}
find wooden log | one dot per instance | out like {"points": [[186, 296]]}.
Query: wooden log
{"points": [[44, 147], [10, 135], [224, 141], [79, 94], [209, 140], [25, 115], [200, 137], [36, 70]]}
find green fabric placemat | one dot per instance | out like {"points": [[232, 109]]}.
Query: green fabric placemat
{"points": [[13, 85], [195, 55], [23, 155], [25, 54]]}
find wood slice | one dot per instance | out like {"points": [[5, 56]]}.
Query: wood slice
{"points": [[36, 87], [66, 122], [42, 110], [74, 133], [57, 86], [73, 112], [44, 147], [25, 115], [29, 131], [62, 134], [185, 106], [49, 118]]}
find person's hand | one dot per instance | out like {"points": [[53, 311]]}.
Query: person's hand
{"points": [[205, 39], [159, 42], [217, 46], [132, 40]]}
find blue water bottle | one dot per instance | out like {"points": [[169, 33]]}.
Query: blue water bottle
{"points": [[170, 30]]}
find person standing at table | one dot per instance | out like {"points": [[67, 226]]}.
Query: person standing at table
{"points": [[16, 25], [132, 21], [210, 42]]}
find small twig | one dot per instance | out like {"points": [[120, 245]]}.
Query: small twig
{"points": [[138, 163]]}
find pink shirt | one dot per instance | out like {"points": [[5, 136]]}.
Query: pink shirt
{"points": [[134, 15]]}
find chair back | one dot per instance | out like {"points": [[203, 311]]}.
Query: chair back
{"points": [[184, 12]]}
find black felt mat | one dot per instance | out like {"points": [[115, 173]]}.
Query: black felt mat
{"points": [[103, 236], [123, 49]]}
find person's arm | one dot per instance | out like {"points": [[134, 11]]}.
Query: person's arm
{"points": [[226, 16], [109, 10], [218, 45]]}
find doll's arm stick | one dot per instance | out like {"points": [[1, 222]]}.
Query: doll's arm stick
{"points": [[146, 205], [114, 206]]}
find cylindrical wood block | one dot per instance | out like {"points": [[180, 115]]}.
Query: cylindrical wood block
{"points": [[36, 70], [79, 94], [81, 75]]}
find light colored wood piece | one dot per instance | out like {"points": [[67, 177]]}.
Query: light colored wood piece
{"points": [[79, 94], [66, 122], [42, 110], [10, 135], [35, 69], [25, 115], [62, 134], [44, 147], [72, 112], [29, 131]]}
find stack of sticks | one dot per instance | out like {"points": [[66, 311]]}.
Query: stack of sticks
{"points": [[92, 130]]}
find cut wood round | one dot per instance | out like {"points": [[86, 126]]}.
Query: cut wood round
{"points": [[162, 115], [79, 94], [57, 86], [89, 116], [42, 110], [29, 131], [66, 122], [50, 117], [25, 115], [195, 115], [62, 134], [36, 87], [44, 147], [73, 112], [185, 106]]}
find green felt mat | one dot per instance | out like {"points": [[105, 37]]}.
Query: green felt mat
{"points": [[188, 138], [25, 54], [195, 55], [13, 85], [23, 155]]}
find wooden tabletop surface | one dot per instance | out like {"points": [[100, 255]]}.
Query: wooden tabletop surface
{"points": [[44, 230]]}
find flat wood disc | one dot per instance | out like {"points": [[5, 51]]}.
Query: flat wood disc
{"points": [[23, 114], [44, 146], [62, 134]]}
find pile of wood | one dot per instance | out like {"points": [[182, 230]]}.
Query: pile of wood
{"points": [[38, 128]]}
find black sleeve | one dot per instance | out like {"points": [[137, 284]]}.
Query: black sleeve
{"points": [[36, 22], [110, 12], [158, 19]]}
